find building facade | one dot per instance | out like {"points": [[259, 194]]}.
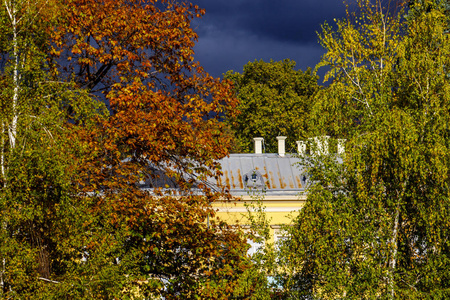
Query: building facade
{"points": [[277, 180]]}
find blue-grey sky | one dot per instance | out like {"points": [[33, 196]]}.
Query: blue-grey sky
{"points": [[234, 32]]}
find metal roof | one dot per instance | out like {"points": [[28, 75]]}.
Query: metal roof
{"points": [[267, 173], [275, 174]]}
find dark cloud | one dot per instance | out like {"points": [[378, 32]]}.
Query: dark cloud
{"points": [[221, 53], [285, 20], [234, 32]]}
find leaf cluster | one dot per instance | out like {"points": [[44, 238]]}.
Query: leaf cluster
{"points": [[374, 225], [275, 100]]}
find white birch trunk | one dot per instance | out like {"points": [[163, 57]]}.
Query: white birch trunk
{"points": [[12, 11], [2, 158], [15, 99], [393, 260]]}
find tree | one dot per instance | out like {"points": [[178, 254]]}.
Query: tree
{"points": [[82, 226], [164, 129], [275, 99], [36, 150], [417, 7], [376, 223], [254, 282]]}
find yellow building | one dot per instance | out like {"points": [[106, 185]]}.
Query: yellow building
{"points": [[276, 179]]}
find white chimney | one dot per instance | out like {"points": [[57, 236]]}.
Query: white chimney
{"points": [[341, 146], [281, 146], [258, 145], [301, 147], [320, 144]]}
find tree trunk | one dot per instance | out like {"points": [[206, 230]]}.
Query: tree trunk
{"points": [[393, 260]]}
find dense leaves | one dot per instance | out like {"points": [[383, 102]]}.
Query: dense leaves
{"points": [[275, 100], [377, 224], [111, 203]]}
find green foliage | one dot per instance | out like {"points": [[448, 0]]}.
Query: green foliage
{"points": [[419, 7], [254, 282], [275, 100], [38, 153], [376, 223]]}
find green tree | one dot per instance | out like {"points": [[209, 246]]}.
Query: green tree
{"points": [[376, 222], [416, 7], [254, 282], [38, 152], [275, 99]]}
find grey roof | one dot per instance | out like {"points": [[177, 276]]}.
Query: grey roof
{"points": [[277, 175], [241, 173]]}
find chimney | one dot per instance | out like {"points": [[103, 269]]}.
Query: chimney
{"points": [[341, 146], [301, 147], [281, 147], [258, 145], [320, 144]]}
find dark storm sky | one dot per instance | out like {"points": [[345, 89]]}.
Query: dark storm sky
{"points": [[234, 32]]}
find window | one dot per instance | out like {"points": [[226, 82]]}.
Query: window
{"points": [[254, 246]]}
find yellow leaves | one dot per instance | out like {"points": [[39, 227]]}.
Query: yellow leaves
{"points": [[76, 50]]}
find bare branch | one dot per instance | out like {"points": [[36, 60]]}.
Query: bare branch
{"points": [[48, 280]]}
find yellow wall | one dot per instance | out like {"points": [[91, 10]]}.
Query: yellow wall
{"points": [[277, 208]]}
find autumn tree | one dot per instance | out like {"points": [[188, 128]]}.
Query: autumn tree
{"points": [[164, 130], [376, 223], [275, 99], [416, 7], [118, 205]]}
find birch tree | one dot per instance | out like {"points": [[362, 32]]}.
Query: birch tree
{"points": [[37, 148], [376, 223]]}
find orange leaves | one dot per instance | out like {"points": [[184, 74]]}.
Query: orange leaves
{"points": [[130, 35], [164, 133], [166, 109]]}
